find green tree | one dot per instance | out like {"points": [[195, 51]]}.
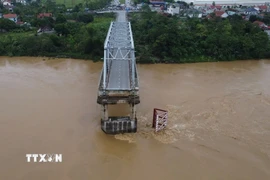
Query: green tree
{"points": [[266, 18], [60, 19], [6, 24], [85, 18], [146, 8], [76, 9], [61, 29], [253, 18]]}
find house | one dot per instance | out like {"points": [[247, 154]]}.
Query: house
{"points": [[45, 29], [261, 24], [9, 6], [12, 17], [230, 13], [193, 13], [217, 7], [157, 2], [251, 11], [6, 3], [21, 1], [42, 15], [263, 8], [207, 11], [20, 23], [221, 14], [173, 9]]}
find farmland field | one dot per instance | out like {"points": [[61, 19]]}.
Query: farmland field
{"points": [[72, 3], [69, 3]]}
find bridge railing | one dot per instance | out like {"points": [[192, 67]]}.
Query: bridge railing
{"points": [[100, 86], [105, 63], [136, 78]]}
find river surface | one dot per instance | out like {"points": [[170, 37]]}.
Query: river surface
{"points": [[218, 127]]}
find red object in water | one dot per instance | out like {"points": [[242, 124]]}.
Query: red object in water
{"points": [[160, 118]]}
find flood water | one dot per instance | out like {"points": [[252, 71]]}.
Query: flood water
{"points": [[218, 128]]}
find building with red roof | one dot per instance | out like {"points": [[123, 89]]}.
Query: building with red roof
{"points": [[261, 24], [12, 17], [263, 8], [42, 15], [221, 14]]}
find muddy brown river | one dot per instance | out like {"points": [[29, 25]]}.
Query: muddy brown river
{"points": [[218, 128]]}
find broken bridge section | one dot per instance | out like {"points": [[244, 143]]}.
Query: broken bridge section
{"points": [[160, 119], [119, 79]]}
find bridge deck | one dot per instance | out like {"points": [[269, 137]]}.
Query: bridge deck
{"points": [[119, 67], [119, 74], [119, 78]]}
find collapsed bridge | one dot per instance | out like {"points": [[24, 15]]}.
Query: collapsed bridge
{"points": [[119, 79]]}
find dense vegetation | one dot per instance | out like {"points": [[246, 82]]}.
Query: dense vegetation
{"points": [[78, 40], [79, 34], [159, 38]]}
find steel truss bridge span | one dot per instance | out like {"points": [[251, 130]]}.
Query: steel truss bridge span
{"points": [[119, 81]]}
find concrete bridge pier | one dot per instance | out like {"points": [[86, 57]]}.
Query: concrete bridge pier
{"points": [[104, 112], [105, 116], [133, 112], [119, 124]]}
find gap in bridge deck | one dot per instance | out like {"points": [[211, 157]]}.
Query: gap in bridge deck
{"points": [[119, 110]]}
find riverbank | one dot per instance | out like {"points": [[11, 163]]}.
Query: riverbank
{"points": [[88, 58], [61, 58], [71, 39], [158, 39]]}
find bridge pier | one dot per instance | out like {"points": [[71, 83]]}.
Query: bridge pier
{"points": [[118, 124], [104, 112], [132, 111]]}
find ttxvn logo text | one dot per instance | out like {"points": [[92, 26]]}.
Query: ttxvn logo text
{"points": [[44, 157]]}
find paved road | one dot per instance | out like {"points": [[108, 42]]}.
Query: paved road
{"points": [[119, 76], [121, 16]]}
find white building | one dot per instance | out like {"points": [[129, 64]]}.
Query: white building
{"points": [[21, 1], [172, 9], [221, 2], [6, 3]]}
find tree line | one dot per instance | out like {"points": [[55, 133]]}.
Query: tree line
{"points": [[83, 40], [160, 38], [78, 34]]}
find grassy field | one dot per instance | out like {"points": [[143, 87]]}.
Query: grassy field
{"points": [[69, 3], [72, 3], [122, 1], [17, 34], [101, 23]]}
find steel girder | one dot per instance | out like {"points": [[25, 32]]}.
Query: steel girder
{"points": [[119, 46]]}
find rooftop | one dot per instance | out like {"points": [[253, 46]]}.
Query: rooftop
{"points": [[10, 16]]}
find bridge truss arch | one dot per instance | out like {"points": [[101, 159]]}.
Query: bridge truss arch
{"points": [[119, 57]]}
